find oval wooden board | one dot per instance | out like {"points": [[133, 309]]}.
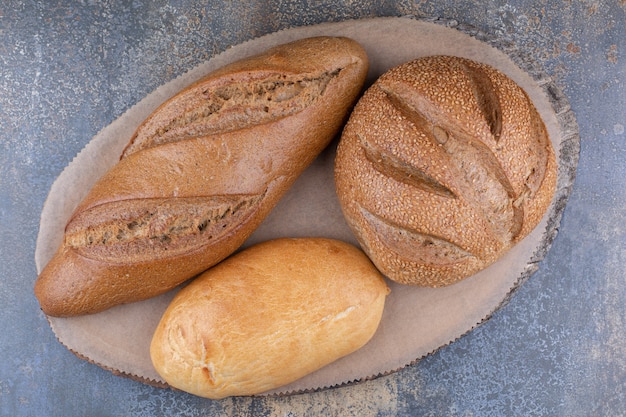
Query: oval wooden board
{"points": [[416, 321]]}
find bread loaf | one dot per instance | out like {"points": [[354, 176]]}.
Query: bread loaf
{"points": [[201, 173], [443, 166], [267, 316]]}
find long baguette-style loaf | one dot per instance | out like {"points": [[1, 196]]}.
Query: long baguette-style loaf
{"points": [[201, 173], [444, 165]]}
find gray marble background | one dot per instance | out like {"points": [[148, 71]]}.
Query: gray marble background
{"points": [[558, 348]]}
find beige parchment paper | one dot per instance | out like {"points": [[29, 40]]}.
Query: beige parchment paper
{"points": [[416, 321]]}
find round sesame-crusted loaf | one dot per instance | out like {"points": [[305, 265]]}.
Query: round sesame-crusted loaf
{"points": [[444, 165]]}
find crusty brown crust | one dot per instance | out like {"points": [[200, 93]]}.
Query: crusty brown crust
{"points": [[201, 173], [443, 166], [267, 316]]}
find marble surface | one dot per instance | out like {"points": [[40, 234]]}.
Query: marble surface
{"points": [[558, 348]]}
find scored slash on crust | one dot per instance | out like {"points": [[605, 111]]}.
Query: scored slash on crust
{"points": [[217, 107], [138, 228], [485, 183], [413, 245], [402, 171]]}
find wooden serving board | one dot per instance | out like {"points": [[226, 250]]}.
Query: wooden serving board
{"points": [[416, 321]]}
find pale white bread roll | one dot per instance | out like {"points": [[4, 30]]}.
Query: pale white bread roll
{"points": [[267, 316]]}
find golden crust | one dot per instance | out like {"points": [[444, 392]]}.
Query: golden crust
{"points": [[268, 316], [202, 149]]}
